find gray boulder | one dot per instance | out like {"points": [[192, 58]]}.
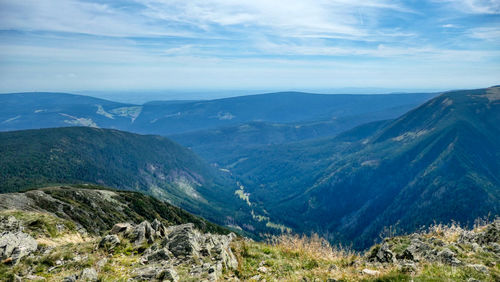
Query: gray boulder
{"points": [[121, 228], [184, 240], [16, 245]]}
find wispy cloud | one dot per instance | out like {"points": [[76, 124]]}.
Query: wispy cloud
{"points": [[72, 42]]}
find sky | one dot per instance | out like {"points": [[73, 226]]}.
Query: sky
{"points": [[194, 45]]}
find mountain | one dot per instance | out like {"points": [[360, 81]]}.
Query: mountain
{"points": [[150, 164], [89, 233], [43, 110], [439, 162]]}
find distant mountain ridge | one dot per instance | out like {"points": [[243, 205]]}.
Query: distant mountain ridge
{"points": [[44, 110]]}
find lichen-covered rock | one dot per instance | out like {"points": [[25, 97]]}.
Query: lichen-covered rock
{"points": [[10, 224], [143, 232], [16, 245], [109, 242]]}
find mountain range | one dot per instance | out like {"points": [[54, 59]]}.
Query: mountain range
{"points": [[346, 167]]}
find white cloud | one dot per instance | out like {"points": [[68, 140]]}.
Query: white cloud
{"points": [[195, 18]]}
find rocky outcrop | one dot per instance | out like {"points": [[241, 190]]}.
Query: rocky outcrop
{"points": [[205, 254], [14, 244], [415, 248]]}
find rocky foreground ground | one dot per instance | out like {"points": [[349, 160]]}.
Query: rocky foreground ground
{"points": [[83, 234], [38, 246]]}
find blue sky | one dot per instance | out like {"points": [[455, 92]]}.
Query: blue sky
{"points": [[74, 45]]}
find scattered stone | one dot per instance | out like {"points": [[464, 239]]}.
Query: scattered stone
{"points": [[101, 263], [88, 274], [479, 268], [371, 272], [109, 242]]}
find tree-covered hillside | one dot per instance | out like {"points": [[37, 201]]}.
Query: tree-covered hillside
{"points": [[439, 162], [149, 164]]}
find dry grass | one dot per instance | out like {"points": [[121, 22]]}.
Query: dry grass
{"points": [[314, 247], [451, 232]]}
